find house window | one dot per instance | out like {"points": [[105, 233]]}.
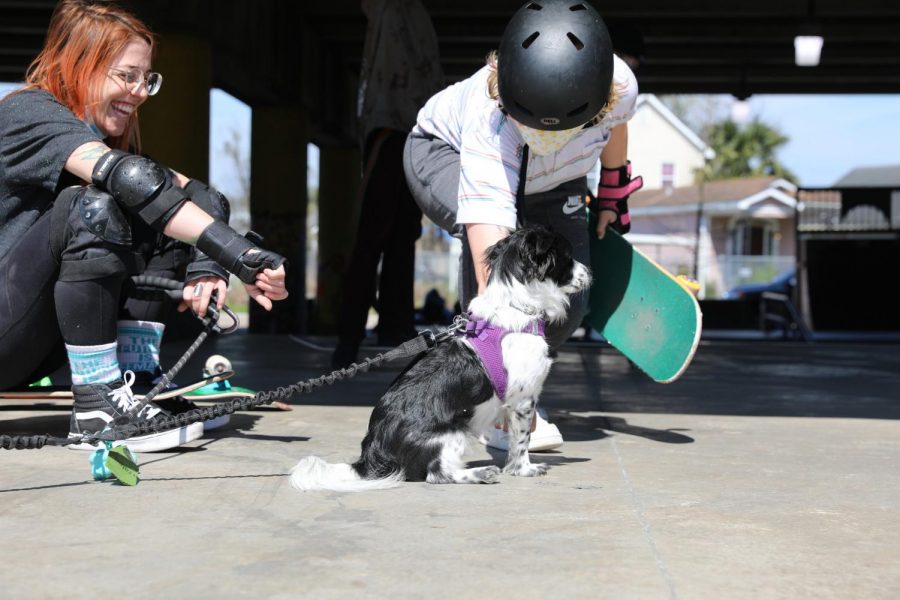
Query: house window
{"points": [[668, 174], [754, 237]]}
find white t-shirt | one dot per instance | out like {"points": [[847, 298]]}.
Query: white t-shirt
{"points": [[490, 146]]}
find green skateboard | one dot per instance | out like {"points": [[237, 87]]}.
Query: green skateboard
{"points": [[218, 386], [61, 392], [222, 389], [642, 309]]}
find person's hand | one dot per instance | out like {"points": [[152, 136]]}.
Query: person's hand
{"points": [[605, 218], [197, 293], [269, 287]]}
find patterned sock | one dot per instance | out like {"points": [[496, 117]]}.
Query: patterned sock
{"points": [[93, 364], [139, 343]]}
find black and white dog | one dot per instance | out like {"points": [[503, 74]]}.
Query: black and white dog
{"points": [[419, 428]]}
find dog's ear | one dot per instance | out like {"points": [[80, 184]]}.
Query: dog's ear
{"points": [[543, 240], [540, 253], [552, 256], [533, 253]]}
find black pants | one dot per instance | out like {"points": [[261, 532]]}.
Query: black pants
{"points": [[38, 312], [390, 222]]}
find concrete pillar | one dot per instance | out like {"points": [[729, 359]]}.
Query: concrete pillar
{"points": [[175, 122], [278, 208], [339, 182]]}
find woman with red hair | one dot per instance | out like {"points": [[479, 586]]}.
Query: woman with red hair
{"points": [[81, 210]]}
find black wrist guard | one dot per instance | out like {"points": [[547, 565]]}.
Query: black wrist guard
{"points": [[229, 249], [218, 207], [142, 186], [203, 266]]}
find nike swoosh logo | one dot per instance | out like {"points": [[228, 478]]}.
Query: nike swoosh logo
{"points": [[571, 209]]}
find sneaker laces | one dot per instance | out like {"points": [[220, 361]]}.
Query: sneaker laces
{"points": [[124, 398]]}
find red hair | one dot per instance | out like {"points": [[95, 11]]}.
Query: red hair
{"points": [[83, 39]]}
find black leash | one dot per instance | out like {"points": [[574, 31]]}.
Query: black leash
{"points": [[125, 427]]}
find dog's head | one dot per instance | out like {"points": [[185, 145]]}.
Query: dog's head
{"points": [[535, 264]]}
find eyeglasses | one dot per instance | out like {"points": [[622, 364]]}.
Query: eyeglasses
{"points": [[134, 79]]}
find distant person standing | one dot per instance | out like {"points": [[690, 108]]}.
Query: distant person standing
{"points": [[400, 71]]}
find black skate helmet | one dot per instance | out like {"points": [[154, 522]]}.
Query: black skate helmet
{"points": [[555, 64]]}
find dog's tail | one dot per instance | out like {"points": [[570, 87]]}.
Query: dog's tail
{"points": [[313, 473]]}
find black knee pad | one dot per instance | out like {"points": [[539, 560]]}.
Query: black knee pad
{"points": [[90, 235], [101, 215], [209, 199]]}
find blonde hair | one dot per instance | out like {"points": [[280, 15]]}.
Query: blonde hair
{"points": [[493, 90]]}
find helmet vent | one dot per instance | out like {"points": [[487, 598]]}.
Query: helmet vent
{"points": [[575, 111], [534, 6], [575, 41], [575, 7], [524, 109], [530, 39]]}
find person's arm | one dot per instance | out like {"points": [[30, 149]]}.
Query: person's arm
{"points": [[185, 225], [482, 236], [614, 155], [262, 271], [616, 184]]}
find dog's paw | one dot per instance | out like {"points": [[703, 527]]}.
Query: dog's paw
{"points": [[487, 474], [529, 470]]}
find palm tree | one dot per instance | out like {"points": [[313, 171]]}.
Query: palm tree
{"points": [[744, 152]]}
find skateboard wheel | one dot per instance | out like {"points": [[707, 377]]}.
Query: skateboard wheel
{"points": [[216, 364]]}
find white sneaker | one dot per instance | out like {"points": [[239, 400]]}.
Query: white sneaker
{"points": [[546, 436]]}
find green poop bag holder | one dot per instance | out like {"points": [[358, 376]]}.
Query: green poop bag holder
{"points": [[118, 462]]}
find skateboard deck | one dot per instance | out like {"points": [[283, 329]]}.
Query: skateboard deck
{"points": [[59, 392], [642, 309], [218, 390]]}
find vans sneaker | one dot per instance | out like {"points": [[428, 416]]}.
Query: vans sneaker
{"points": [[97, 405], [546, 435], [179, 404], [144, 381]]}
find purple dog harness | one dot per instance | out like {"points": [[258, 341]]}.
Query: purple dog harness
{"points": [[485, 339]]}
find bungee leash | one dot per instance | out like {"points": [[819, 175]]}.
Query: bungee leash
{"points": [[125, 427]]}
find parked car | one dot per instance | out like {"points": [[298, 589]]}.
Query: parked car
{"points": [[783, 284]]}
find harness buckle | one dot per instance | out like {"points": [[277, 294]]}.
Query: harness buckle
{"points": [[429, 337]]}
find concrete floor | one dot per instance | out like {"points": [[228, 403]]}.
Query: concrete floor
{"points": [[770, 470]]}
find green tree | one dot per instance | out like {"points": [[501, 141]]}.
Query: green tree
{"points": [[748, 151]]}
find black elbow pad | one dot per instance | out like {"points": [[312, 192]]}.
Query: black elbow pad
{"points": [[139, 184], [209, 199]]}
